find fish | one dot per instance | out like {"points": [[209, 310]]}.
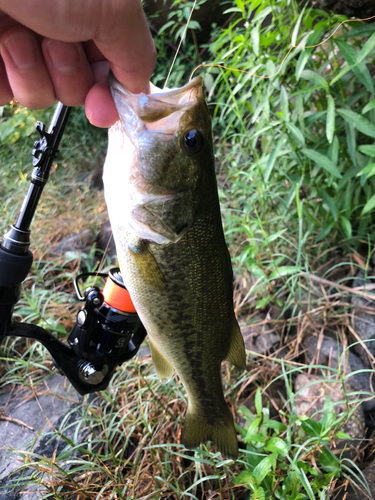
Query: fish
{"points": [[162, 199]]}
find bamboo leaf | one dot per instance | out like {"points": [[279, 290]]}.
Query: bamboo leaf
{"points": [[359, 69], [367, 149], [369, 171], [297, 134], [272, 159], [330, 124], [366, 49], [313, 76], [358, 121], [369, 205], [368, 107], [329, 202], [322, 161], [347, 227]]}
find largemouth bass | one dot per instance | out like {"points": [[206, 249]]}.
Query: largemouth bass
{"points": [[161, 193]]}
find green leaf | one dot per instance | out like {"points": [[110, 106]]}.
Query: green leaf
{"points": [[259, 494], [322, 161], [277, 445], [329, 202], [275, 424], [245, 477], [368, 149], [364, 30], [328, 461], [369, 106], [369, 205], [359, 69], [296, 27], [330, 124], [255, 39], [347, 227], [311, 427], [366, 49], [272, 159], [351, 141], [313, 39], [369, 170], [329, 415], [312, 76], [284, 271], [264, 467], [240, 5], [343, 435], [358, 121], [296, 133], [258, 402], [255, 438]]}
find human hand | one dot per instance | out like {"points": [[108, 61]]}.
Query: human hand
{"points": [[63, 50]]}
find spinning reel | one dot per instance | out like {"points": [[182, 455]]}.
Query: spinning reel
{"points": [[108, 330]]}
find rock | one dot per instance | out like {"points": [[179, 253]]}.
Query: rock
{"points": [[258, 336], [25, 425], [329, 353], [79, 242], [353, 493], [311, 393], [363, 319]]}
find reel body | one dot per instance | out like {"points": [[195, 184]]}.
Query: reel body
{"points": [[108, 330]]}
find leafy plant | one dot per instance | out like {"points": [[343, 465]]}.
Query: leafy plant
{"points": [[291, 461]]}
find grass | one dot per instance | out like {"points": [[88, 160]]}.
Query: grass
{"points": [[299, 229]]}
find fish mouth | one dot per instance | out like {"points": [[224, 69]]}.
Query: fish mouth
{"points": [[158, 111]]}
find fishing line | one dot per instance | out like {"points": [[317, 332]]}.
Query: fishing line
{"points": [[101, 263], [179, 45], [203, 65]]}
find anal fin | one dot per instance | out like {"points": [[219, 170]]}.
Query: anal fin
{"points": [[237, 353], [163, 367]]}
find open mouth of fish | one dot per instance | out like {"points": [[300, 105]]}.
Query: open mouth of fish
{"points": [[159, 111]]}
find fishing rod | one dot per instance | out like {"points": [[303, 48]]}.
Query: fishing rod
{"points": [[108, 330]]}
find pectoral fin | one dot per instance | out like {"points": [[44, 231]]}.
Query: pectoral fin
{"points": [[237, 353], [163, 367]]}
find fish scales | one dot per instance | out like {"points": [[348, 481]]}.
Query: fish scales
{"points": [[165, 215]]}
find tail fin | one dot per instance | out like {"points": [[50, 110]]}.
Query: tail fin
{"points": [[221, 432]]}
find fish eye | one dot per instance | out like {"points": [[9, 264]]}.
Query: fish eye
{"points": [[192, 141]]}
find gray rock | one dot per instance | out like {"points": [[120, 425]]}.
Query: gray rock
{"points": [[358, 492], [27, 424], [311, 394], [258, 336], [330, 353], [363, 319]]}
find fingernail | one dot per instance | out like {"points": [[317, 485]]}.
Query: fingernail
{"points": [[23, 50], [64, 56]]}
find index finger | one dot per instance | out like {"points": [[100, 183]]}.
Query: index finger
{"points": [[118, 28]]}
